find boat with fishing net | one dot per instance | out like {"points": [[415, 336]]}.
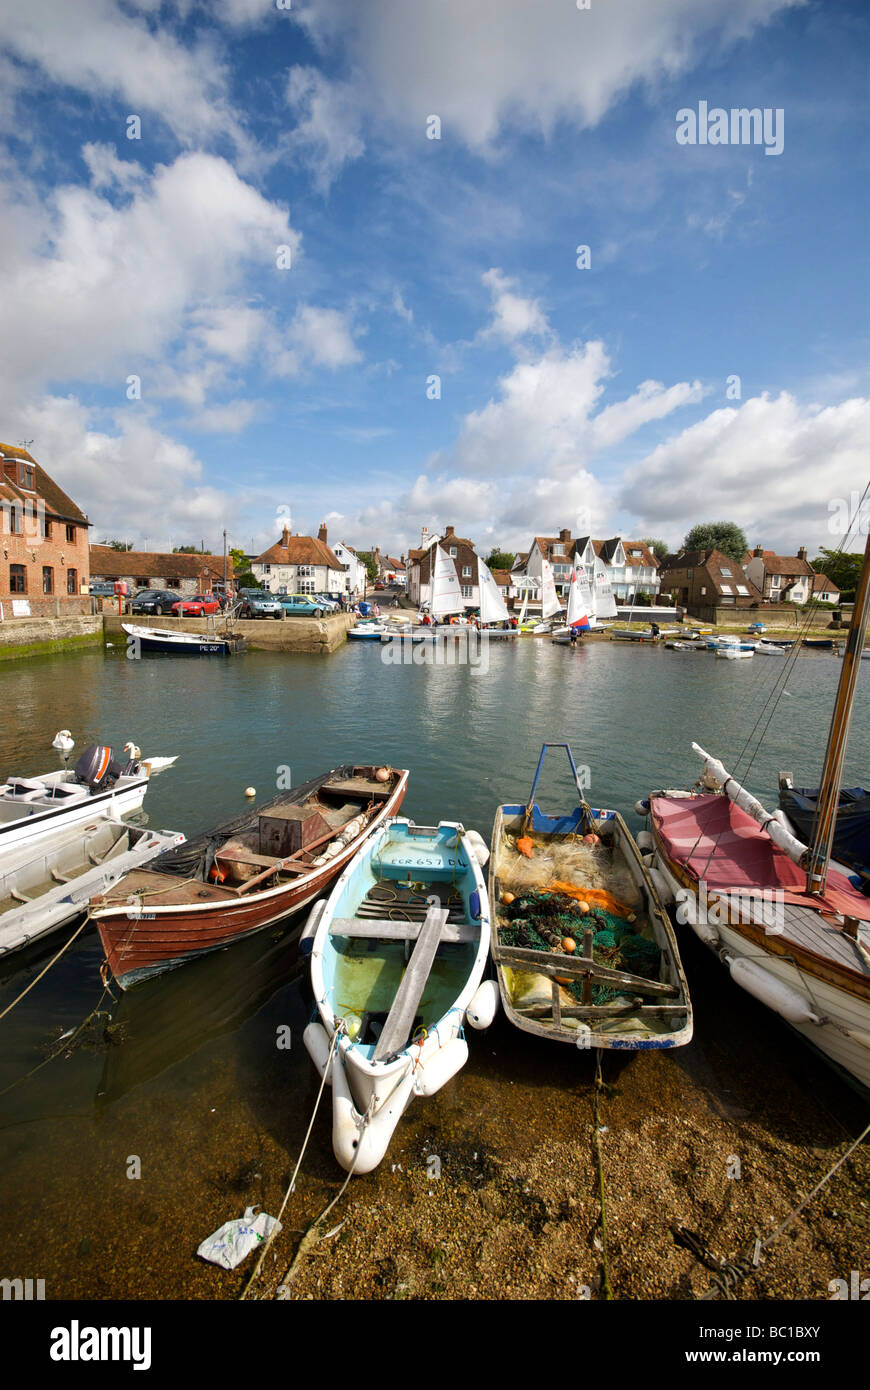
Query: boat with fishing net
{"points": [[584, 950]]}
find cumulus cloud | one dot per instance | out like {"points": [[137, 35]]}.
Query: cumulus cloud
{"points": [[326, 135], [773, 465], [513, 315], [499, 64], [99, 48]]}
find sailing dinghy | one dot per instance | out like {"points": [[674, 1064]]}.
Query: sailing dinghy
{"points": [[398, 953], [583, 949], [579, 603]]}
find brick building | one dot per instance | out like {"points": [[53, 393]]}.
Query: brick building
{"points": [[150, 569], [44, 566]]}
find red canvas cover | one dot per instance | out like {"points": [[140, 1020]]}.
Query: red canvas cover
{"points": [[713, 840]]}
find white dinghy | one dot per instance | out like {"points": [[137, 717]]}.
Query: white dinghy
{"points": [[398, 954]]}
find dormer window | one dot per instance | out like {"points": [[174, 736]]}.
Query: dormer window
{"points": [[25, 476], [453, 552], [725, 572], [558, 549]]}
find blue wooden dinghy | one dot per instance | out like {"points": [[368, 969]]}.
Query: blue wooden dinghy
{"points": [[398, 955]]}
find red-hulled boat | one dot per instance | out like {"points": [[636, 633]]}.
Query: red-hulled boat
{"points": [[243, 875]]}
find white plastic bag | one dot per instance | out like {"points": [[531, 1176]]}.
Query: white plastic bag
{"points": [[236, 1239]]}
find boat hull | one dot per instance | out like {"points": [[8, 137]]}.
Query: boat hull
{"points": [[142, 938], [43, 822], [170, 643]]}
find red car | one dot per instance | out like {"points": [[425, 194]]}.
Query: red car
{"points": [[196, 606]]}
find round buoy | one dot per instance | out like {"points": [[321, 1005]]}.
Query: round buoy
{"points": [[250, 792], [382, 774], [569, 944], [508, 897], [583, 909], [642, 807]]}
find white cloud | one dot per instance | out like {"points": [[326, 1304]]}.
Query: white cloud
{"points": [[507, 63], [90, 290], [323, 336], [328, 119], [771, 465], [513, 315], [94, 47]]}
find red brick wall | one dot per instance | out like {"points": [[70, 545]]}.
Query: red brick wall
{"points": [[33, 551]]}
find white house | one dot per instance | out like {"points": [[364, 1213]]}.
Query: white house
{"points": [[781, 578], [355, 570], [631, 566], [300, 565]]}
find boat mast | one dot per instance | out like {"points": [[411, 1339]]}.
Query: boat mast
{"points": [[835, 754]]}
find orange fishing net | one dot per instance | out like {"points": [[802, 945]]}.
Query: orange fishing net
{"points": [[599, 896]]}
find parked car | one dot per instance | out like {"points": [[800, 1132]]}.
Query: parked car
{"points": [[302, 605], [380, 584], [157, 601], [260, 604], [195, 607], [329, 601]]}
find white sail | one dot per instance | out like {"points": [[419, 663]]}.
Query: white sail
{"points": [[493, 608], [605, 604], [446, 589], [587, 596], [550, 601], [578, 615]]}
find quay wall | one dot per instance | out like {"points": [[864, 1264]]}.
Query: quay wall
{"points": [[318, 636], [23, 637], [773, 614]]}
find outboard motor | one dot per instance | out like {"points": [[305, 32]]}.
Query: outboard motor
{"points": [[92, 768]]}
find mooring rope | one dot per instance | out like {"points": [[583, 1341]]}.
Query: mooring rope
{"points": [[79, 929], [730, 1275]]}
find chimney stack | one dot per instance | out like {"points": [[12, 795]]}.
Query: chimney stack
{"points": [[321, 534], [802, 553], [449, 532], [758, 552], [564, 535], [285, 536]]}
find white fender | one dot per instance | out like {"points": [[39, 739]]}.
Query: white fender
{"points": [[309, 931], [478, 845], [644, 841], [483, 1006], [441, 1066], [663, 888], [353, 1137], [790, 1003], [316, 1040], [706, 932]]}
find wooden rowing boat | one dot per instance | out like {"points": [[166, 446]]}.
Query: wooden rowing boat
{"points": [[398, 953], [243, 875], [620, 983]]}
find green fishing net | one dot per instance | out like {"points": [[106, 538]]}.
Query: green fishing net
{"points": [[538, 921]]}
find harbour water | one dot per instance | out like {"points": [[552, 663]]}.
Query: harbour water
{"points": [[182, 1109]]}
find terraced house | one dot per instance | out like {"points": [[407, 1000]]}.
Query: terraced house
{"points": [[300, 565], [44, 568]]}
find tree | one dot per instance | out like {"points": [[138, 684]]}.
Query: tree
{"points": [[659, 548], [189, 550], [245, 579], [718, 535], [117, 545], [841, 568], [500, 560], [370, 563], [239, 560]]}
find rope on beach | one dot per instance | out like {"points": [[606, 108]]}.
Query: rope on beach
{"points": [[309, 1237], [599, 1158], [732, 1274]]}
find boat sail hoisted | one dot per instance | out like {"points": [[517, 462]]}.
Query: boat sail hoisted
{"points": [[550, 602], [604, 602], [446, 589], [493, 608], [578, 614]]}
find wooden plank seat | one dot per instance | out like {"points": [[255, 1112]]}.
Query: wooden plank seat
{"points": [[580, 967], [387, 929], [400, 1019]]}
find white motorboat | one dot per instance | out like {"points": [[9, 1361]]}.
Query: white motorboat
{"points": [[46, 885], [33, 807]]}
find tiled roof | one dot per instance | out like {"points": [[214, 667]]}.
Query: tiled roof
{"points": [[648, 556], [465, 556], [822, 584], [786, 564], [106, 563], [300, 550], [503, 578], [56, 501]]}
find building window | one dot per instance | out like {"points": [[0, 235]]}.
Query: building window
{"points": [[71, 582], [71, 534], [25, 476], [267, 569], [466, 591], [17, 579], [725, 572], [45, 528], [742, 589], [141, 582], [306, 586], [305, 572], [47, 579], [774, 581], [16, 526], [453, 552], [466, 571], [727, 589]]}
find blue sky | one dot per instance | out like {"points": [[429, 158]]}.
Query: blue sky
{"points": [[590, 398]]}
